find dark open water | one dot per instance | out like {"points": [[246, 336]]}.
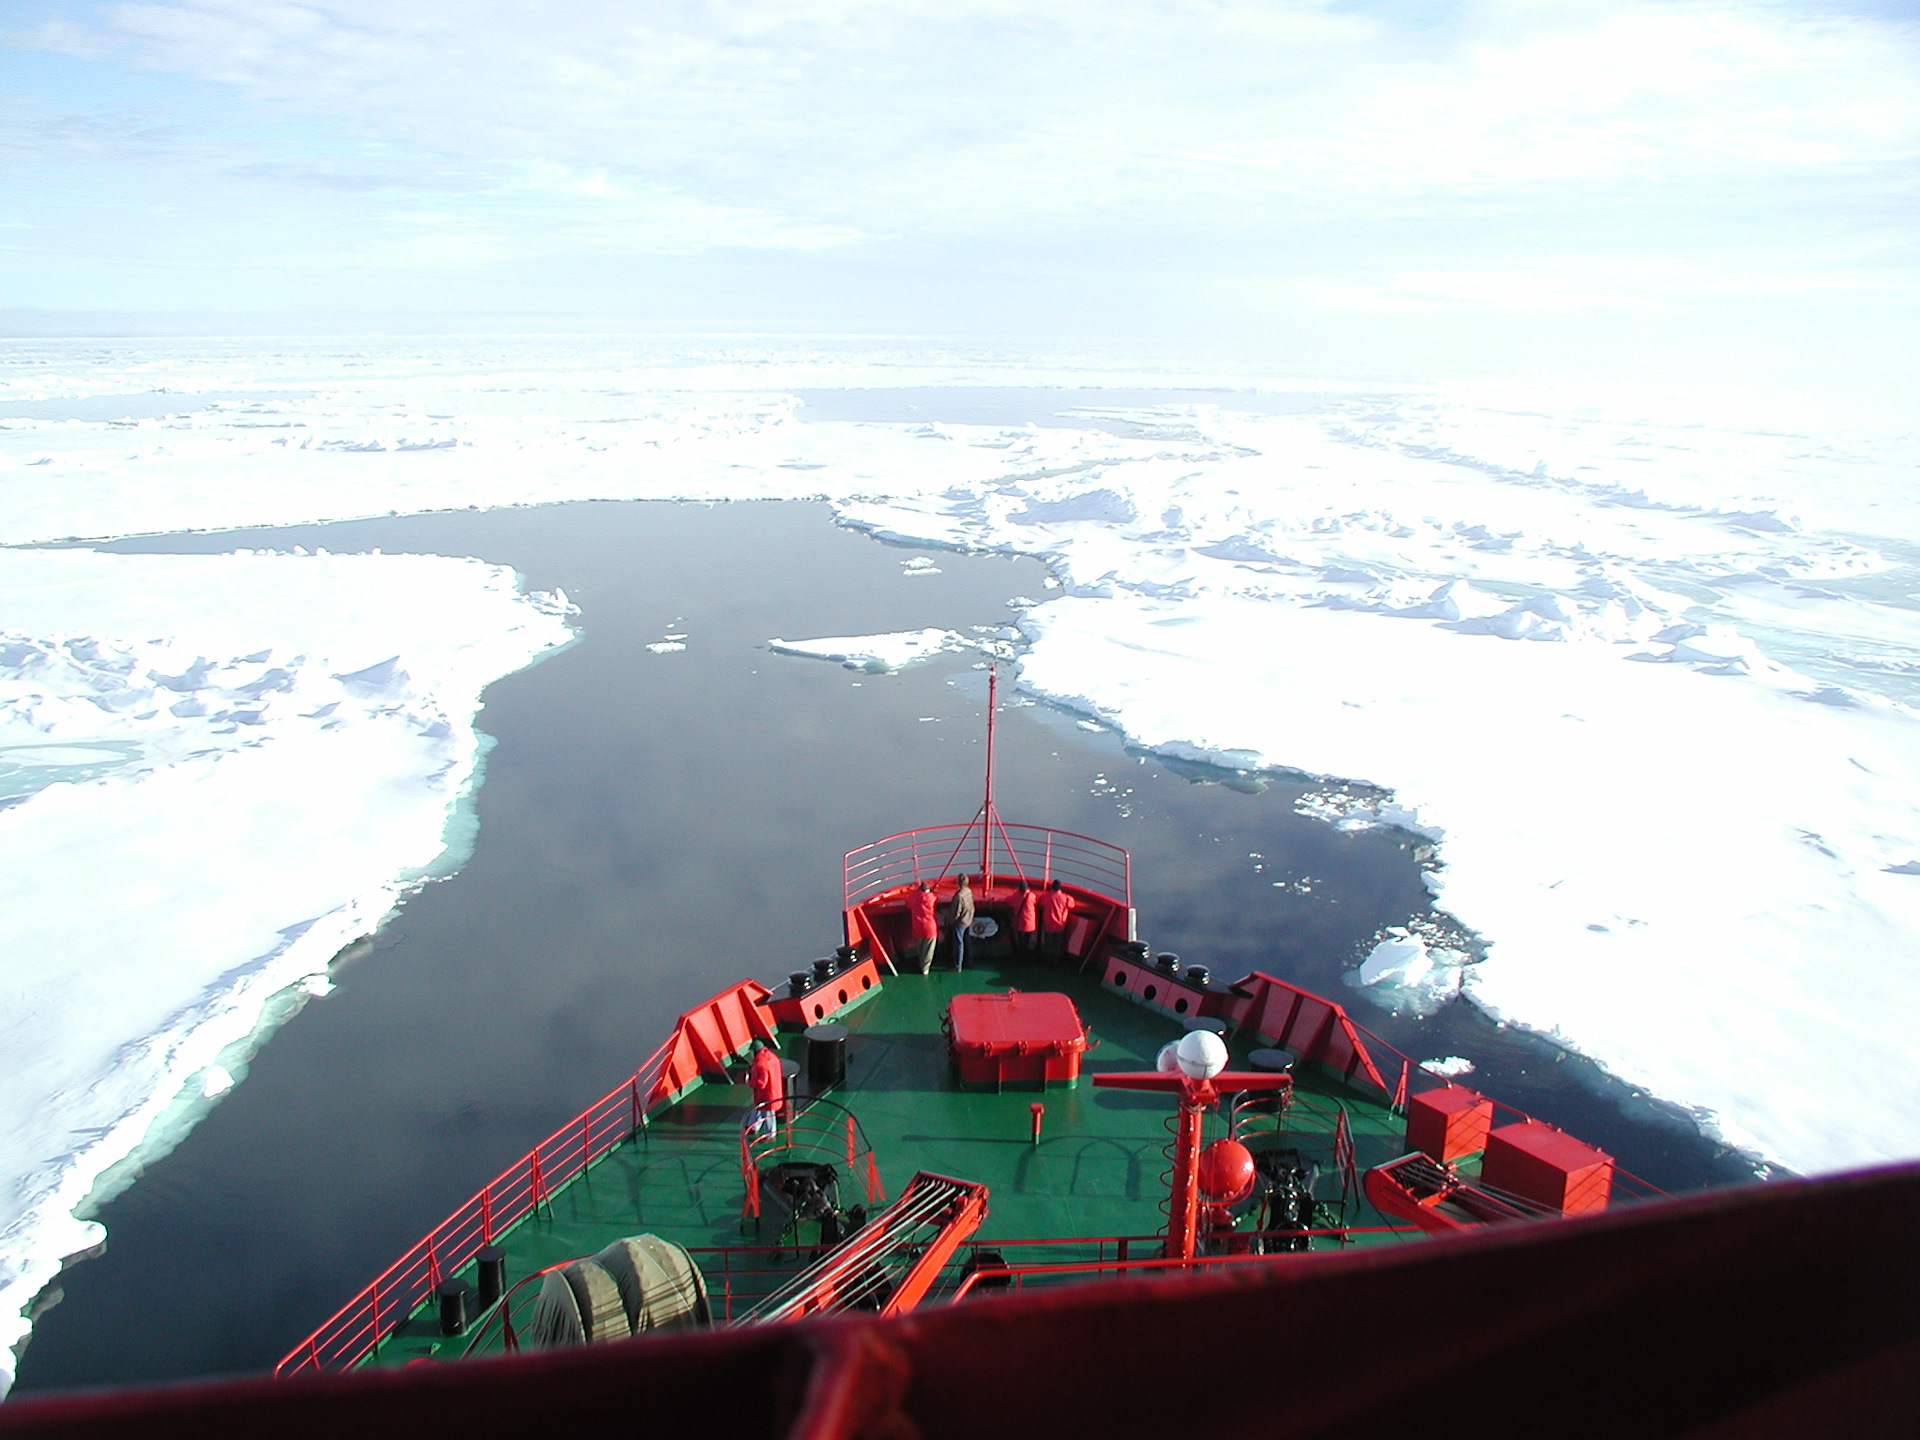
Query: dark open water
{"points": [[654, 827]]}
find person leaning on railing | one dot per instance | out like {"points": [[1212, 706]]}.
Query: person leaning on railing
{"points": [[1026, 919], [924, 928], [1055, 910]]}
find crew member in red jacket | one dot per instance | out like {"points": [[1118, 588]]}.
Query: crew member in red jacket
{"points": [[1055, 911], [769, 1088], [1026, 920], [925, 926]]}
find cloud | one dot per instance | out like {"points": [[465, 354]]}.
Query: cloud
{"points": [[1368, 157], [937, 117]]}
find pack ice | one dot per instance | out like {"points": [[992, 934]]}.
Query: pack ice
{"points": [[215, 772], [1642, 668]]}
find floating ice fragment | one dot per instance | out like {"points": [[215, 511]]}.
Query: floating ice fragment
{"points": [[1398, 962], [877, 654], [666, 647], [215, 1081], [1451, 1066]]}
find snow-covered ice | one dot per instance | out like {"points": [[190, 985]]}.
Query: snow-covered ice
{"points": [[219, 770], [1642, 669], [877, 653]]}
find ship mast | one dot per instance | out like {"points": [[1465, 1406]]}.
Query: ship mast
{"points": [[987, 817]]}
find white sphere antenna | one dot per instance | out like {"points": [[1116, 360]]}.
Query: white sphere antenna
{"points": [[1201, 1054], [1168, 1060]]}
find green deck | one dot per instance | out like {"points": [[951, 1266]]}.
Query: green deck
{"points": [[1098, 1171]]}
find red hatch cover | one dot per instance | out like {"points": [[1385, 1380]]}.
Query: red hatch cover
{"points": [[1015, 1038]]}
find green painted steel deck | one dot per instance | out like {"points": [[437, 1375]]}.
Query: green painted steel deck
{"points": [[1099, 1169]]}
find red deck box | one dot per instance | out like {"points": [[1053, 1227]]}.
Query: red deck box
{"points": [[1449, 1122], [1547, 1166], [1015, 1038]]}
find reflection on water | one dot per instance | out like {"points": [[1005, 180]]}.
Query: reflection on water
{"points": [[655, 825]]}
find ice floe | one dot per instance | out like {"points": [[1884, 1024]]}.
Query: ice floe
{"points": [[878, 654], [221, 770]]}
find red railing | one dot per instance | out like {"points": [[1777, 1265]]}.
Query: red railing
{"points": [[820, 1128], [1012, 852], [1415, 1079], [358, 1327], [1096, 1269]]}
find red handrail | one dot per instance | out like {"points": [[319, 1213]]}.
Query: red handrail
{"points": [[1412, 1071], [1023, 852], [356, 1329], [1018, 1273]]}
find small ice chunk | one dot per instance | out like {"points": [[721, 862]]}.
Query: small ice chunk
{"points": [[1396, 962], [215, 1081], [1451, 1066]]}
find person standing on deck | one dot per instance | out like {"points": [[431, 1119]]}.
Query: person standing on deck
{"points": [[1026, 919], [1055, 911], [962, 921], [925, 927], [769, 1088]]}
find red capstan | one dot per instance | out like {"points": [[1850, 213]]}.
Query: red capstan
{"points": [[1196, 1070]]}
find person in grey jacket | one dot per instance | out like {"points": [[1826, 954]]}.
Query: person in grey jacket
{"points": [[962, 920]]}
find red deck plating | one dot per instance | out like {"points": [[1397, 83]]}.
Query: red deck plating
{"points": [[1015, 1038]]}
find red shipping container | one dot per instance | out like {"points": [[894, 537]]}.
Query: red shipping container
{"points": [[1449, 1122], [1015, 1038], [1547, 1166]]}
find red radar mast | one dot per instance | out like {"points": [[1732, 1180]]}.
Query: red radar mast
{"points": [[1198, 1076]]}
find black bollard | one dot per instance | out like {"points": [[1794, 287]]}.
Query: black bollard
{"points": [[1199, 975], [490, 1269], [823, 968], [827, 1054], [1168, 962], [797, 982], [453, 1306]]}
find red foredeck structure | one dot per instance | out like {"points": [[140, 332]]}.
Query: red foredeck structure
{"points": [[1015, 1038]]}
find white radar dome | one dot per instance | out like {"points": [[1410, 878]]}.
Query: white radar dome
{"points": [[1168, 1060], [1201, 1054]]}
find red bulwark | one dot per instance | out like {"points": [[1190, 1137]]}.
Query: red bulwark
{"points": [[1015, 1038], [1449, 1122], [826, 998], [1547, 1166]]}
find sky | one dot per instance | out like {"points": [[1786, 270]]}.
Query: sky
{"points": [[1343, 184]]}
